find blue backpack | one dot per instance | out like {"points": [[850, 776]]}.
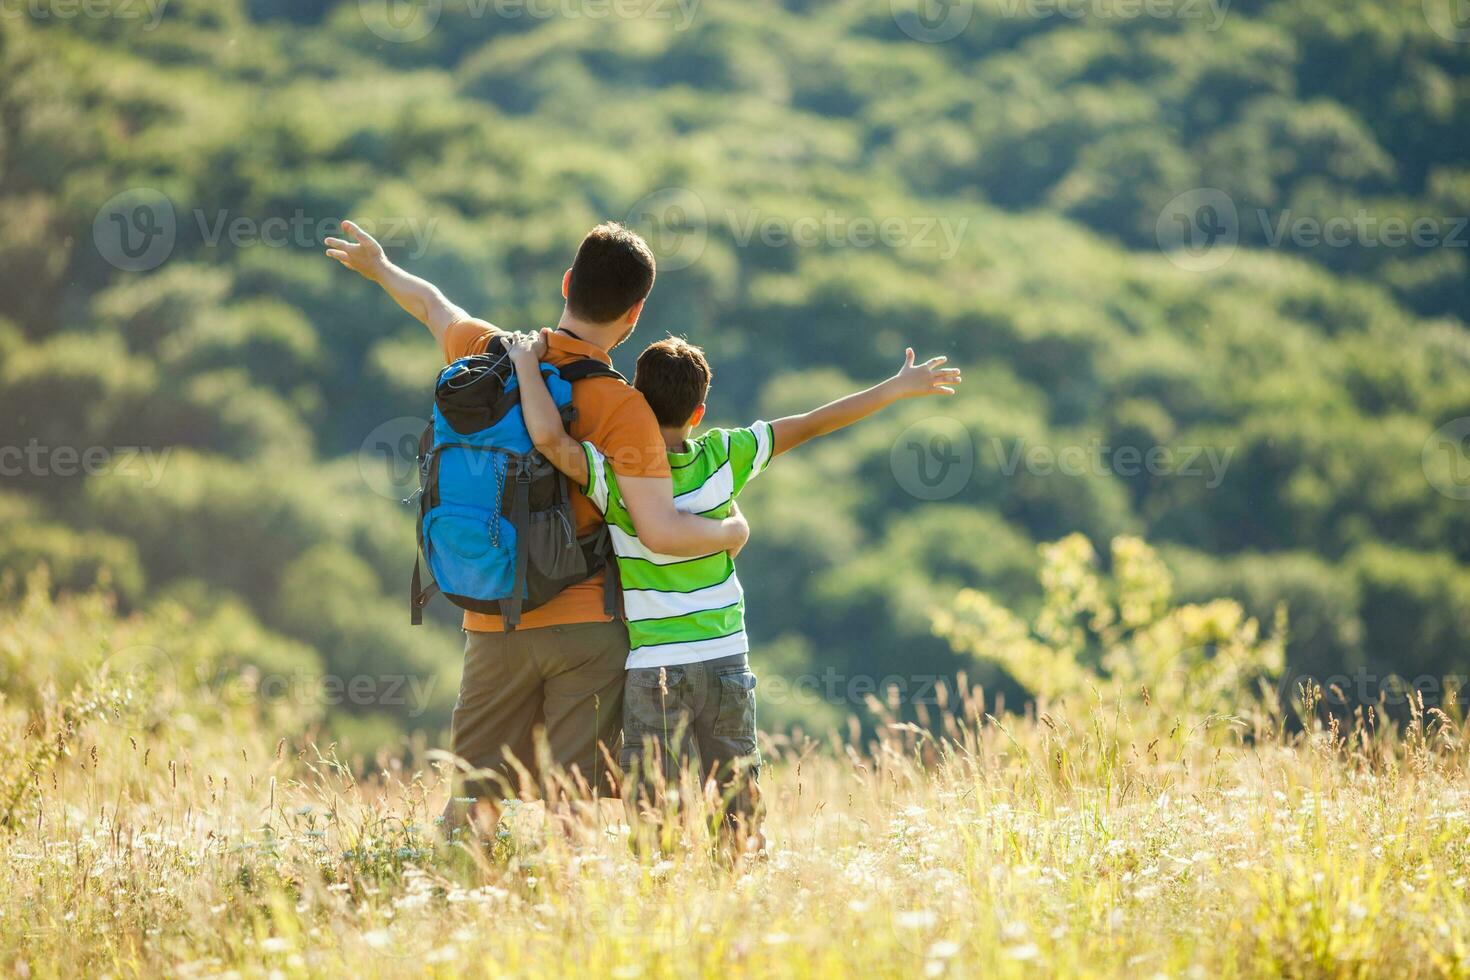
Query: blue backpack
{"points": [[495, 526]]}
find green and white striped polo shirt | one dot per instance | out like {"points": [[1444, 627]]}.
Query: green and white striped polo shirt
{"points": [[683, 610]]}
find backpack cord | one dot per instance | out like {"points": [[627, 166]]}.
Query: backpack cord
{"points": [[499, 498]]}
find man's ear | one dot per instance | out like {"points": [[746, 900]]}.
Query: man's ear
{"points": [[566, 283], [697, 417]]}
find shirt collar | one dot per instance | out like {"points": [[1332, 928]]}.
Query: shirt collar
{"points": [[565, 343]]}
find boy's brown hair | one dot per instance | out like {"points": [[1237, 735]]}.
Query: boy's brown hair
{"points": [[674, 377], [614, 269]]}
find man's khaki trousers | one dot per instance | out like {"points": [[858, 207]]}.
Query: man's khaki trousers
{"points": [[564, 680]]}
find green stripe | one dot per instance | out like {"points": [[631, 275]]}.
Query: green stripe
{"points": [[684, 576], [687, 587], [708, 455], [705, 625], [652, 622], [691, 484]]}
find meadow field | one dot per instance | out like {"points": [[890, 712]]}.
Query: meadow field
{"points": [[147, 837], [1206, 267]]}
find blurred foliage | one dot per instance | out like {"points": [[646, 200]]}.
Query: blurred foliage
{"points": [[1118, 639], [1276, 407]]}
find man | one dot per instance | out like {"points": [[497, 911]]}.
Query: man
{"points": [[561, 669]]}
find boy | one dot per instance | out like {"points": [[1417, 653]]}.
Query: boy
{"points": [[690, 694]]}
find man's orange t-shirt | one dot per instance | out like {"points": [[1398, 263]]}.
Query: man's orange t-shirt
{"points": [[611, 415]]}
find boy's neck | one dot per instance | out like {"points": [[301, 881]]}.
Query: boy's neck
{"points": [[676, 440]]}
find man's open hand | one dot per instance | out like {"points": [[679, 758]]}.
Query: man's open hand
{"points": [[362, 255], [930, 378]]}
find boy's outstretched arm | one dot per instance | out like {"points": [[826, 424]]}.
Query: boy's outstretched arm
{"points": [[911, 381], [650, 500], [421, 298]]}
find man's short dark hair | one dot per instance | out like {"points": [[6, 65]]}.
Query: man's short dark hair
{"points": [[674, 377], [612, 271]]}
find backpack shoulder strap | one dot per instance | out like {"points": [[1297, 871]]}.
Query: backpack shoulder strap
{"points": [[496, 345], [588, 367]]}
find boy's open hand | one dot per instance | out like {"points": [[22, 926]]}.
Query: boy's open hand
{"points": [[362, 255], [930, 378], [522, 348], [529, 348], [738, 522]]}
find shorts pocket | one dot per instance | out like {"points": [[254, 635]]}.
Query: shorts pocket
{"points": [[647, 709], [736, 715]]}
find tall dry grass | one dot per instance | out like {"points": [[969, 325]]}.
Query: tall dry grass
{"points": [[976, 846], [146, 836]]}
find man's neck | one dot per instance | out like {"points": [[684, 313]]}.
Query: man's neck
{"points": [[676, 440], [599, 335]]}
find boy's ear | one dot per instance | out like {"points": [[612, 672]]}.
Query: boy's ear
{"points": [[566, 283], [697, 417]]}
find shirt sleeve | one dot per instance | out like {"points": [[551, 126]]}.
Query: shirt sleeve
{"points": [[597, 477], [750, 452], [466, 337], [630, 439]]}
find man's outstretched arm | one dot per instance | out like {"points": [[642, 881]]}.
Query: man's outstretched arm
{"points": [[419, 297]]}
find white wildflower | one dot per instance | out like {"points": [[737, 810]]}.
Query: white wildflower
{"points": [[916, 919]]}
